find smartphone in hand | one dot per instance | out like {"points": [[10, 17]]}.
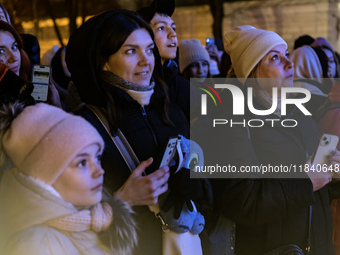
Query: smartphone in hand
{"points": [[41, 79], [168, 152], [327, 144]]}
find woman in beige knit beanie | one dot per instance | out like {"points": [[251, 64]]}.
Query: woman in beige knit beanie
{"points": [[193, 60], [257, 53], [51, 193], [274, 210]]}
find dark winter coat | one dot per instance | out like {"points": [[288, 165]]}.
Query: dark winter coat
{"points": [[178, 86], [143, 128], [146, 133], [270, 213]]}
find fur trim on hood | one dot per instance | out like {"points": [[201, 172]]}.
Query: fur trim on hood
{"points": [[123, 228]]}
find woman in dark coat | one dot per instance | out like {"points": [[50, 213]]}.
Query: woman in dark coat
{"points": [[111, 60], [271, 211]]}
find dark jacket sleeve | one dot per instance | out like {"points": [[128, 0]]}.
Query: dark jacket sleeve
{"points": [[257, 201]]}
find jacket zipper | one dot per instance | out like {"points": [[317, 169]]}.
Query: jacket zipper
{"points": [[145, 117]]}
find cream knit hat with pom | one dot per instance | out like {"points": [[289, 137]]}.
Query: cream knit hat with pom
{"points": [[191, 51], [247, 45], [44, 139]]}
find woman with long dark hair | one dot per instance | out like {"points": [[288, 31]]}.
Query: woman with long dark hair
{"points": [[111, 59]]}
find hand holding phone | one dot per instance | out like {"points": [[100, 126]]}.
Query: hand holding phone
{"points": [[210, 41], [327, 144], [41, 79], [169, 152]]}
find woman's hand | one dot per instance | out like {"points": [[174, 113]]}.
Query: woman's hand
{"points": [[144, 190], [319, 178], [53, 97], [213, 52], [334, 161]]}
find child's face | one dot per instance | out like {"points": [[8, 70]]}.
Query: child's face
{"points": [[81, 183], [165, 36]]}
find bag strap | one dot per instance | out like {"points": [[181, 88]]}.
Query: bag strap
{"points": [[309, 230], [127, 153], [118, 139]]}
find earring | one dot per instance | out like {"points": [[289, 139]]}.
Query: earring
{"points": [[106, 67]]}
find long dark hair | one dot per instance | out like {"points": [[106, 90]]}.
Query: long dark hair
{"points": [[323, 58], [111, 36], [24, 72], [5, 13]]}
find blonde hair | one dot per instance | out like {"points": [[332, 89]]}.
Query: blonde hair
{"points": [[258, 92]]}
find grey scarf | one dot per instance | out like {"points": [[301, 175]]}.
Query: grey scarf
{"points": [[141, 94]]}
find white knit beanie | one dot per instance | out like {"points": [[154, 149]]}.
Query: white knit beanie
{"points": [[307, 66], [191, 51], [306, 63], [43, 140], [247, 45]]}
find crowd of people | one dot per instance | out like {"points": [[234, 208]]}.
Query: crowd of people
{"points": [[81, 174]]}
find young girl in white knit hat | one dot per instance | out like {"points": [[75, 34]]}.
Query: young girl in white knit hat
{"points": [[51, 193], [272, 211]]}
